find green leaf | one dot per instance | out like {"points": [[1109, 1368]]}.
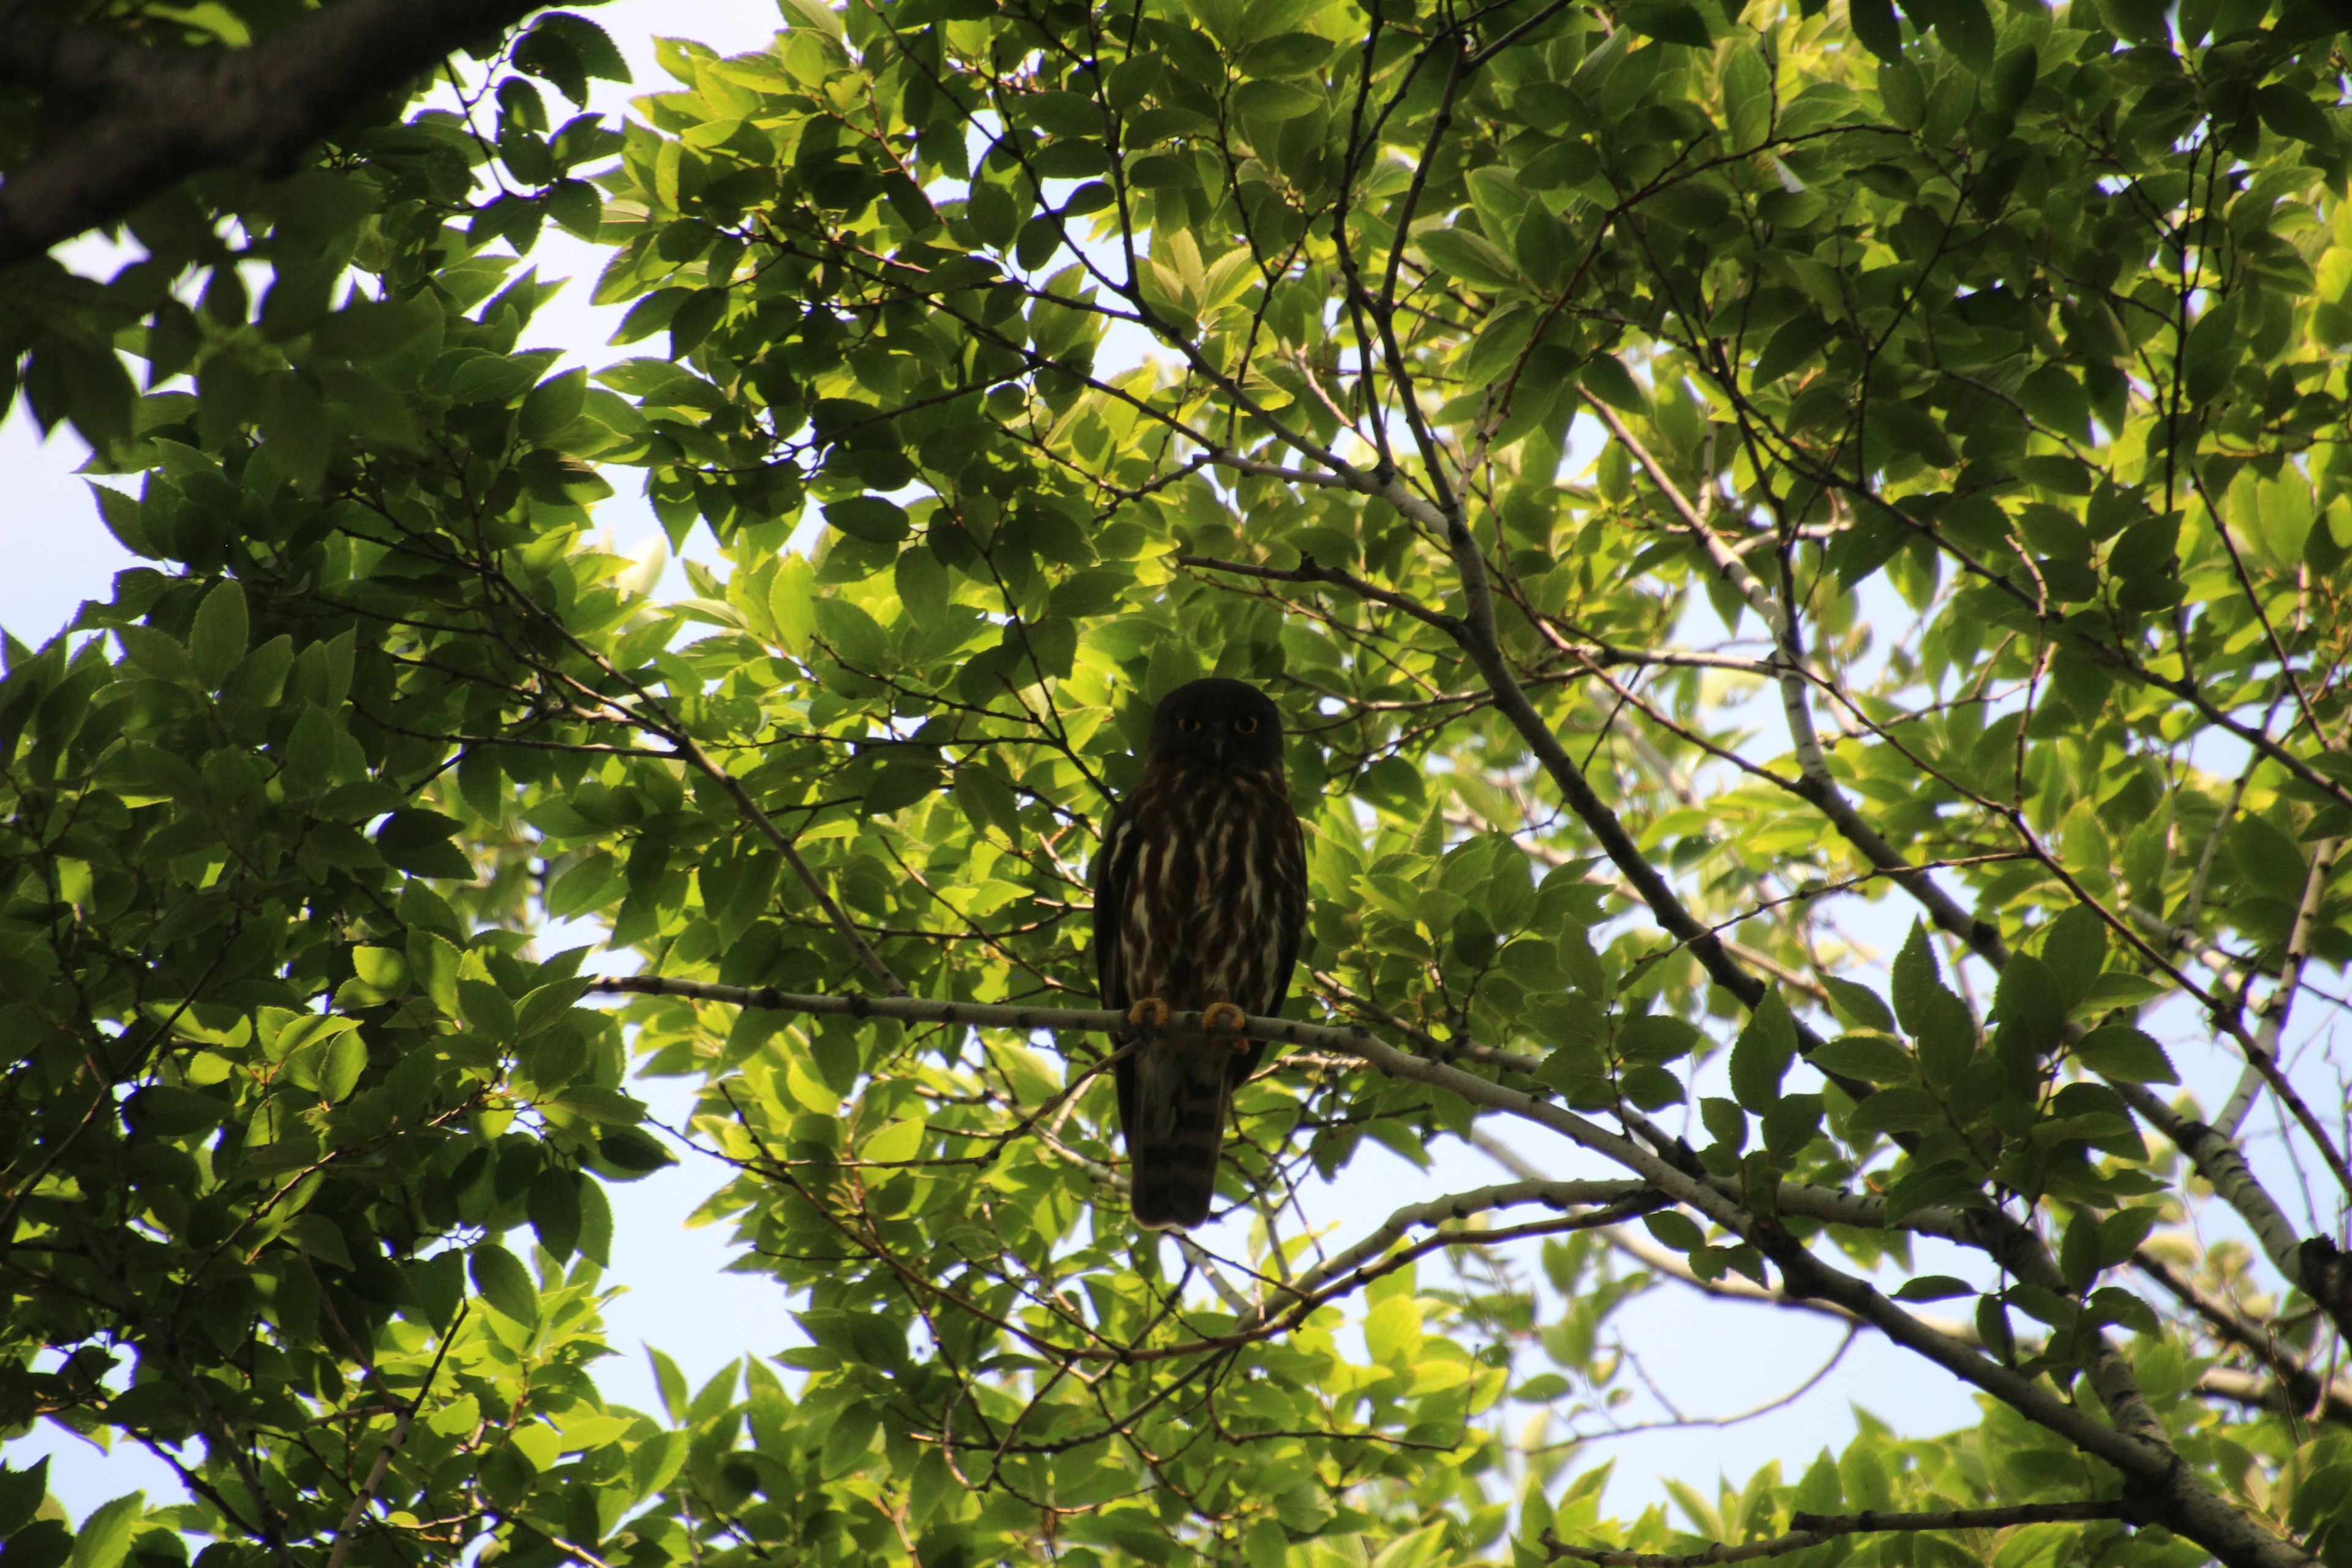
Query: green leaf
{"points": [[552, 406], [125, 519], [1669, 21], [2076, 949], [1747, 95], [2140, 21], [2212, 351], [1793, 343], [295, 429], [21, 1492], [1859, 1005], [44, 1543], [385, 968], [670, 1383], [1791, 1123], [2292, 113], [1276, 100], [2056, 401], [553, 1205], [1934, 1288], [2270, 862], [1992, 1327], [418, 842], [1689, 203], [631, 1152], [317, 1235], [546, 1005], [485, 1009], [1873, 1059], [1966, 27], [1910, 430], [216, 640], [1874, 23], [612, 1110], [1656, 1039], [502, 1280], [163, 1110], [1915, 978], [105, 1535], [2028, 1006], [1724, 1121], [1762, 1053], [2121, 1233], [1472, 258], [2078, 1250], [1898, 1110], [869, 518], [1674, 1228], [595, 1224], [1606, 377], [1265, 1545], [1651, 1088], [2120, 1051], [346, 1059], [814, 16]]}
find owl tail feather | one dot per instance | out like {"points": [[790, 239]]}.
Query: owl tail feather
{"points": [[1180, 1095]]}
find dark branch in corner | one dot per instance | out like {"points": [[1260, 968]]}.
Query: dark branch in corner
{"points": [[1808, 1530], [128, 122]]}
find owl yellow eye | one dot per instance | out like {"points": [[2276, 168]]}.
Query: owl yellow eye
{"points": [[1190, 726], [1244, 726]]}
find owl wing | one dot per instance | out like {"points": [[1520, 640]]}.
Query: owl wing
{"points": [[1285, 872], [1291, 896], [1114, 870]]}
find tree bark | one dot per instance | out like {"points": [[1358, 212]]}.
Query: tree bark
{"points": [[137, 120]]}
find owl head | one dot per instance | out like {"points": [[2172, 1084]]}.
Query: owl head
{"points": [[1216, 724]]}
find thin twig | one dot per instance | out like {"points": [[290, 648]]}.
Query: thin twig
{"points": [[346, 1533]]}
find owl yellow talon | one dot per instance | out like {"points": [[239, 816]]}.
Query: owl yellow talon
{"points": [[1152, 1013], [1225, 1015]]}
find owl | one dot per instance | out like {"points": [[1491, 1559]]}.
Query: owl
{"points": [[1199, 904]]}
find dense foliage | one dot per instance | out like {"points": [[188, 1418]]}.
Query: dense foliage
{"points": [[1981, 374]]}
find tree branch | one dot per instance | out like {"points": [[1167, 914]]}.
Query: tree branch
{"points": [[145, 119], [1808, 1530], [345, 1533], [1814, 782], [2262, 1055], [2169, 1493], [2316, 1263], [1600, 1199]]}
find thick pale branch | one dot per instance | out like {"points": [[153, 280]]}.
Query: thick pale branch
{"points": [[2294, 1387], [2091, 643], [2240, 1386], [2316, 1264], [1815, 783], [2262, 1064], [2280, 1393], [2298, 1387]]}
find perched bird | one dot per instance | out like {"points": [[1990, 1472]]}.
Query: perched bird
{"points": [[1200, 903]]}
